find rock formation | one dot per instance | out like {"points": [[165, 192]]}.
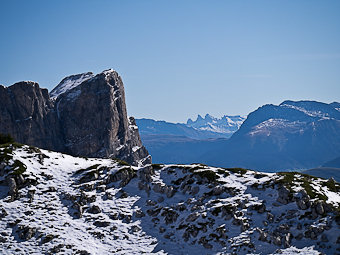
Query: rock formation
{"points": [[85, 116]]}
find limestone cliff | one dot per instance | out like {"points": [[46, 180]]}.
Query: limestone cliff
{"points": [[86, 116]]}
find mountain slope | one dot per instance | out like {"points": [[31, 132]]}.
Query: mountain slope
{"points": [[325, 172], [52, 202], [86, 117], [333, 163], [293, 135]]}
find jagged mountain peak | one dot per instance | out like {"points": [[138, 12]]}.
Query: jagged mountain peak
{"points": [[73, 81], [224, 125]]}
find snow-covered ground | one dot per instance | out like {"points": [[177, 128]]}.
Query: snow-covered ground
{"points": [[54, 203]]}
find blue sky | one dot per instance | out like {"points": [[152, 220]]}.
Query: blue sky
{"points": [[179, 58]]}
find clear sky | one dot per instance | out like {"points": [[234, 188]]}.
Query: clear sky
{"points": [[179, 58]]}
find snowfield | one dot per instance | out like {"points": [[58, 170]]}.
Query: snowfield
{"points": [[52, 203]]}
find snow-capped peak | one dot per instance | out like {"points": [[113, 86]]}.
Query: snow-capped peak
{"points": [[69, 83], [226, 124]]}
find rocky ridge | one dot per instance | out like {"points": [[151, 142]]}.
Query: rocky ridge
{"points": [[51, 202], [85, 116]]}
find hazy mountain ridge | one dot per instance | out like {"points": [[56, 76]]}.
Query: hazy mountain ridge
{"points": [[184, 143], [292, 135], [50, 203], [153, 127]]}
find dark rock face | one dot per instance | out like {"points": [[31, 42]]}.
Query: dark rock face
{"points": [[26, 112], [86, 117]]}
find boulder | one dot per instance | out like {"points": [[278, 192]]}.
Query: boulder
{"points": [[284, 195]]}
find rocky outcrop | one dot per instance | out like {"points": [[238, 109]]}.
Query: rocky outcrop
{"points": [[232, 211], [86, 116]]}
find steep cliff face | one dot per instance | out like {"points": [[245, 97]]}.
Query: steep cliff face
{"points": [[26, 112], [86, 117]]}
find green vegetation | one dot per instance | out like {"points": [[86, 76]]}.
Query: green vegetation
{"points": [[129, 170], [122, 162], [229, 209], [6, 139], [157, 166], [259, 175], [6, 154], [210, 175], [87, 169], [240, 171], [332, 185], [18, 167], [223, 172], [288, 179]]}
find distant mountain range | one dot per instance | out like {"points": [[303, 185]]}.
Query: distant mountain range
{"points": [[292, 135], [183, 143], [227, 125], [200, 129]]}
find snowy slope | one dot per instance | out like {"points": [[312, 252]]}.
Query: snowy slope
{"points": [[69, 83], [51, 202]]}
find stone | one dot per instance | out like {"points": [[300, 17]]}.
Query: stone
{"points": [[302, 200], [244, 226], [78, 210], [270, 217], [286, 240], [192, 217], [170, 215], [218, 190], [3, 213], [139, 214], [13, 189], [262, 235], [95, 209], [101, 224], [169, 191], [277, 240], [284, 195], [319, 208], [25, 233]]}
